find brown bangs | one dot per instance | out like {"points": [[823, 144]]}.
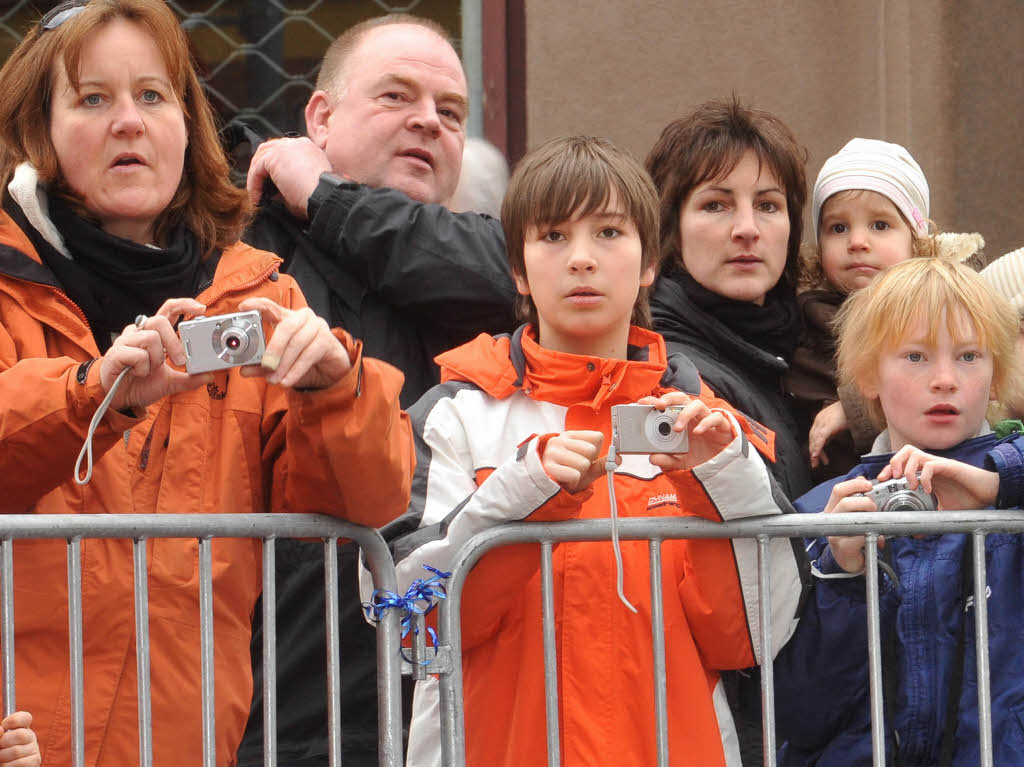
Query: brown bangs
{"points": [[567, 178]]}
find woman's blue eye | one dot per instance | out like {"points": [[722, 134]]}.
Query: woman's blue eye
{"points": [[150, 96], [91, 100], [915, 356], [970, 356]]}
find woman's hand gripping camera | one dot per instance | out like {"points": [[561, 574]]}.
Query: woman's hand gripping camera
{"points": [[302, 353]]}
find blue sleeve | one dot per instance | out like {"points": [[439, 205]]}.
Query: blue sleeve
{"points": [[821, 675], [1007, 458]]}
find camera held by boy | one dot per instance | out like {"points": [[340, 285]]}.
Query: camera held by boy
{"points": [[930, 348], [869, 211], [519, 430]]}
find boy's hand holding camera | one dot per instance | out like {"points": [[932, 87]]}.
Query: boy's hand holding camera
{"points": [[955, 485], [303, 353], [573, 459], [709, 431]]}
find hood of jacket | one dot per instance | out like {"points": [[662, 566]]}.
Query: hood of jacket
{"points": [[501, 365]]}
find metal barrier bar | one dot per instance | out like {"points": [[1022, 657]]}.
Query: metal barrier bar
{"points": [[139, 572], [870, 525], [7, 623], [550, 656], [269, 653], [206, 650], [658, 645], [764, 590], [333, 665], [981, 643], [76, 661], [874, 650]]}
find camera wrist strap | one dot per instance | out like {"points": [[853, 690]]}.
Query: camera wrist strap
{"points": [[609, 466]]}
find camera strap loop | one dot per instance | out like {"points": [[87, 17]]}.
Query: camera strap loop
{"points": [[610, 466]]}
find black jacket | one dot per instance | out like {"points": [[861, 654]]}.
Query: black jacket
{"points": [[739, 372], [411, 280]]}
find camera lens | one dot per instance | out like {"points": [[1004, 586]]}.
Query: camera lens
{"points": [[233, 343], [664, 428]]}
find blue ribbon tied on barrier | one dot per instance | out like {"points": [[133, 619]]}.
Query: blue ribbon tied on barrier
{"points": [[422, 596]]}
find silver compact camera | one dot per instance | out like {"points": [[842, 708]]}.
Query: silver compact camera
{"points": [[896, 495], [224, 341], [645, 429]]}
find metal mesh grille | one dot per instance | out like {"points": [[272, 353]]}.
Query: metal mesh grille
{"points": [[259, 58]]}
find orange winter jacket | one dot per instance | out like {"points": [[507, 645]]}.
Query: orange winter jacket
{"points": [[237, 445], [479, 465]]}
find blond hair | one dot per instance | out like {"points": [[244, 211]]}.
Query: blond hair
{"points": [[573, 177], [879, 316]]}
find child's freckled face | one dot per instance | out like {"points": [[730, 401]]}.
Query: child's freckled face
{"points": [[862, 232], [584, 276], [934, 393]]}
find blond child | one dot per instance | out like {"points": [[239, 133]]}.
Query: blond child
{"points": [[520, 430], [869, 211], [929, 346], [18, 744]]}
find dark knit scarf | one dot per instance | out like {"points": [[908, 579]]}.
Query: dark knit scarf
{"points": [[113, 280], [774, 327]]}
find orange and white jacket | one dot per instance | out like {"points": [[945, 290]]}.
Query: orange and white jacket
{"points": [[238, 445], [478, 466]]}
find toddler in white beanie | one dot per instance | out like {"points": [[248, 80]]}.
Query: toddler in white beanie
{"points": [[869, 211]]}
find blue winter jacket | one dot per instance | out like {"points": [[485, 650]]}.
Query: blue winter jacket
{"points": [[822, 673]]}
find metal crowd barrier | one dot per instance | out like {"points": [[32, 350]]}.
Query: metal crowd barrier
{"points": [[204, 527], [448, 661]]}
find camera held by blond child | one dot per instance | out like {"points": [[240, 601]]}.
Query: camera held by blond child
{"points": [[870, 211], [931, 348]]}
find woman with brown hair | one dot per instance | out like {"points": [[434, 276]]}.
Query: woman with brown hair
{"points": [[732, 189], [731, 185], [118, 220]]}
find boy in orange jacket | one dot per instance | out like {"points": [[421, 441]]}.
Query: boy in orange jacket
{"points": [[519, 430]]}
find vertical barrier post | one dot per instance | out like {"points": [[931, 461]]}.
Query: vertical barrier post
{"points": [[269, 653], [76, 656], [658, 646], [206, 652], [7, 622], [981, 645], [333, 674], [142, 652], [550, 655], [767, 658], [874, 649]]}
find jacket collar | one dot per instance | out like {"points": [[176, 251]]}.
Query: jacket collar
{"points": [[502, 365], [680, 320]]}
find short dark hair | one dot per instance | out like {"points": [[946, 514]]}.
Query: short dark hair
{"points": [[709, 143], [575, 176], [338, 52]]}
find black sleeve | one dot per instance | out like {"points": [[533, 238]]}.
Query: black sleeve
{"points": [[448, 268]]}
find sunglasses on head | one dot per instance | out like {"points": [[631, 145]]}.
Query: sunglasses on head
{"points": [[57, 16]]}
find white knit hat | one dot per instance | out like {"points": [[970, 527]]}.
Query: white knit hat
{"points": [[877, 166], [1005, 275]]}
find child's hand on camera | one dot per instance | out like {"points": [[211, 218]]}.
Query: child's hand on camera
{"points": [[956, 485], [573, 459], [18, 744], [848, 550], [709, 431]]}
